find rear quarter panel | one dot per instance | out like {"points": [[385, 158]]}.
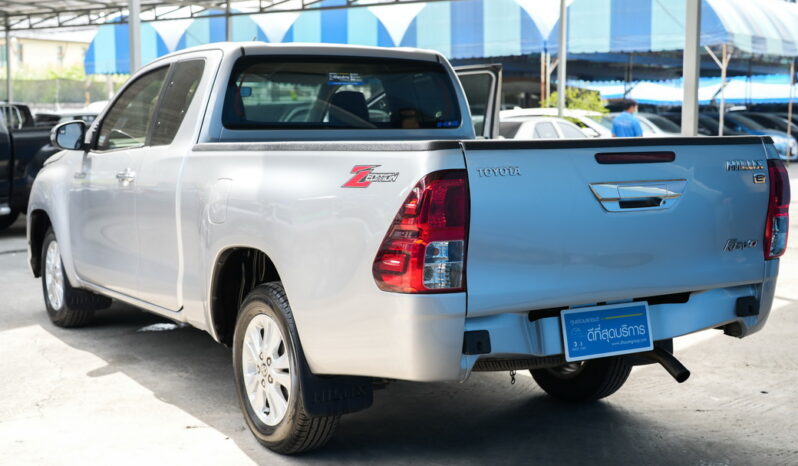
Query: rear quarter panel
{"points": [[287, 200]]}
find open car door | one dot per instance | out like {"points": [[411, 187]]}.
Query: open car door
{"points": [[482, 85]]}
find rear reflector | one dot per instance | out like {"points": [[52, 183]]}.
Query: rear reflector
{"points": [[424, 250], [778, 219], [635, 157]]}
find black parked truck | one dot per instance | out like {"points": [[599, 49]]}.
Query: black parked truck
{"points": [[22, 154]]}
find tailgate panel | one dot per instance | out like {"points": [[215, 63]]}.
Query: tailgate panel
{"points": [[540, 237]]}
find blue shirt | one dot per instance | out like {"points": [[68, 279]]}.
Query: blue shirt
{"points": [[626, 125]]}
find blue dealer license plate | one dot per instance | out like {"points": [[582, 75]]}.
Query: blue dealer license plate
{"points": [[601, 331]]}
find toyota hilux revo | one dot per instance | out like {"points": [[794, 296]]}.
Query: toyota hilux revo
{"points": [[339, 215]]}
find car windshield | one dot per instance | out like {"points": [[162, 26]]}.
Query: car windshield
{"points": [[745, 121], [603, 120], [267, 92], [663, 123]]}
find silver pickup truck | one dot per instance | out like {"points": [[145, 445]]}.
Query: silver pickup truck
{"points": [[335, 215]]}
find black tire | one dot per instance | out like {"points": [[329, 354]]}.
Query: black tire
{"points": [[585, 381], [297, 431], [76, 308], [8, 220]]}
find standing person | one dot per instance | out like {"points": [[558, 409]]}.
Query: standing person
{"points": [[626, 125]]}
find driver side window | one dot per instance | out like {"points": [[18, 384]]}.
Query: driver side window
{"points": [[128, 121]]}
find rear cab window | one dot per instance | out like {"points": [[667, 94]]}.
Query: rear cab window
{"points": [[326, 92]]}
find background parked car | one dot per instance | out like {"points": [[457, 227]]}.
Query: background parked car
{"points": [[586, 120], [17, 116], [774, 121], [538, 127], [658, 125], [785, 145], [707, 125]]}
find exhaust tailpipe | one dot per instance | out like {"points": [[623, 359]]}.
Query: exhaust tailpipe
{"points": [[669, 362]]}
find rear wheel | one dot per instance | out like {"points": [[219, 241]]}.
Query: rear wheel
{"points": [[266, 366], [66, 306], [584, 380], [8, 220]]}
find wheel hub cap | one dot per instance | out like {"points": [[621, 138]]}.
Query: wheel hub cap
{"points": [[54, 276], [268, 384]]}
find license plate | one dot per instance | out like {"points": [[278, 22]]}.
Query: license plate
{"points": [[601, 331]]}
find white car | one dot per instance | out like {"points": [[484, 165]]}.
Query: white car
{"points": [[530, 127], [586, 120]]}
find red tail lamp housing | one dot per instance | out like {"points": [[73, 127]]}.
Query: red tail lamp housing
{"points": [[425, 247], [778, 219]]}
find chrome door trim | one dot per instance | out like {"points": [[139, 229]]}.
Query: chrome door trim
{"points": [[611, 194]]}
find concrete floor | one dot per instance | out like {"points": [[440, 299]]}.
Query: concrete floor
{"points": [[112, 393]]}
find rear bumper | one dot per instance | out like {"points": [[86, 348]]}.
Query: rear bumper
{"points": [[514, 335], [420, 337]]}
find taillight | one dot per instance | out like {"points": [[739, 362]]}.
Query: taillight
{"points": [[424, 250], [778, 220]]}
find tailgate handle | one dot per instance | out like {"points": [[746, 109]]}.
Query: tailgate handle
{"points": [[636, 195], [640, 203]]}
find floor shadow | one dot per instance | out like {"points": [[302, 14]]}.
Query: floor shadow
{"points": [[483, 420], [16, 230]]}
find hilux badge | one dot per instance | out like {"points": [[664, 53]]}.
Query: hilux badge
{"points": [[744, 165]]}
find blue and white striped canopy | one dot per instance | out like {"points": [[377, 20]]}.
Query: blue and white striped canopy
{"points": [[458, 29], [766, 27], [109, 51], [738, 90], [478, 28]]}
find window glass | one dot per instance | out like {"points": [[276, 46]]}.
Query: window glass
{"points": [[545, 131], [664, 124], [178, 96], [339, 93], [477, 88], [128, 121], [508, 129], [570, 131], [12, 117]]}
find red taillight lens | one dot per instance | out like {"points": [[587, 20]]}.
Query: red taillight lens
{"points": [[778, 220], [424, 250]]}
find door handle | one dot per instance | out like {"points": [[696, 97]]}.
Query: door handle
{"points": [[126, 177]]}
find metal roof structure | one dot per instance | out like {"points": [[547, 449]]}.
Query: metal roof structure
{"points": [[22, 15]]}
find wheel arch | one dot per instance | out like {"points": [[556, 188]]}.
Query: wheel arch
{"points": [[38, 224], [236, 271]]}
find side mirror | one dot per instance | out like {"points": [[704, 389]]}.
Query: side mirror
{"points": [[69, 135]]}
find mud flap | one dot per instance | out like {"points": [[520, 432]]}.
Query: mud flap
{"points": [[325, 395]]}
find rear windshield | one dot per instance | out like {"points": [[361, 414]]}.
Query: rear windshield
{"points": [[279, 92]]}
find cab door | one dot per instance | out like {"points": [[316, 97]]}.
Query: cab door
{"points": [[482, 85], [102, 197], [157, 205]]}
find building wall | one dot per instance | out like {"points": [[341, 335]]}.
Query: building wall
{"points": [[41, 54]]}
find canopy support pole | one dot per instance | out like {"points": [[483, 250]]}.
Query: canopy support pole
{"points": [[9, 87], [550, 67], [723, 64], [562, 58], [543, 74], [134, 29], [789, 103], [228, 21], [690, 67]]}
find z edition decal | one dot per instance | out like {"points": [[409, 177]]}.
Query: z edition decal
{"points": [[365, 175]]}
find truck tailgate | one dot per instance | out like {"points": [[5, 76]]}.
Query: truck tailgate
{"points": [[551, 226]]}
